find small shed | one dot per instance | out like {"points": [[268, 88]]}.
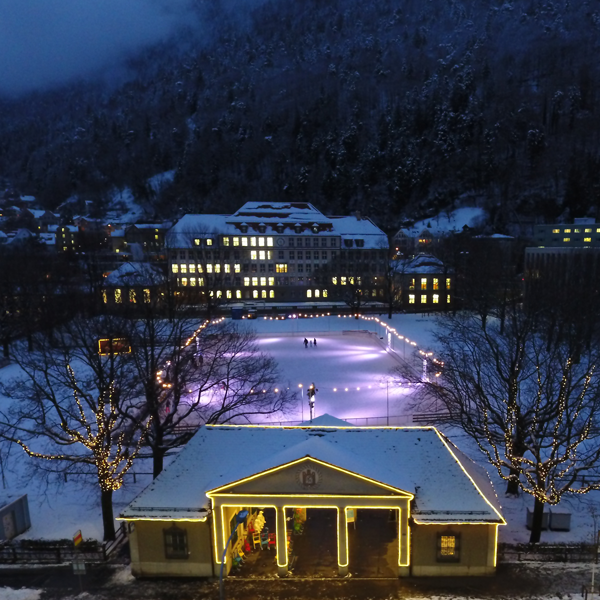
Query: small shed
{"points": [[14, 516]]}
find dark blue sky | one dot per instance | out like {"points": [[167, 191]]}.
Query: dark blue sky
{"points": [[45, 42]]}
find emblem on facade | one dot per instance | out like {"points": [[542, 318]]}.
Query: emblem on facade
{"points": [[308, 478]]}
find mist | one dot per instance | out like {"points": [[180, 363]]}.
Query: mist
{"points": [[44, 43]]}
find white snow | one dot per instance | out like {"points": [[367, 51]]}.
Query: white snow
{"points": [[22, 594], [351, 360], [452, 222]]}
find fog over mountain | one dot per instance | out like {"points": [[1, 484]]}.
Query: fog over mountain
{"points": [[49, 42], [399, 109]]}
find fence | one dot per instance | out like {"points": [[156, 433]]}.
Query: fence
{"points": [[61, 551], [547, 553]]}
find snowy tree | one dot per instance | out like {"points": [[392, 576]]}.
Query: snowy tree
{"points": [[531, 407], [70, 405]]}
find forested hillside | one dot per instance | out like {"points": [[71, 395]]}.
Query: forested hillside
{"points": [[393, 108]]}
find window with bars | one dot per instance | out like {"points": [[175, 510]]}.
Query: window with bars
{"points": [[448, 547], [175, 541]]}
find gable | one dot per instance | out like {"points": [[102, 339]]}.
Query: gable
{"points": [[310, 476]]}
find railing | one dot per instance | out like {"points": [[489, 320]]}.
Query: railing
{"points": [[60, 551], [547, 552]]}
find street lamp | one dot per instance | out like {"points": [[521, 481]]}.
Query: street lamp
{"points": [[302, 400], [239, 519]]}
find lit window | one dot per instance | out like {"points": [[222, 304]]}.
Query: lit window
{"points": [[253, 241], [262, 254], [411, 298], [255, 293], [598, 230], [448, 299], [589, 239], [228, 294], [226, 241], [423, 298], [567, 231], [246, 281], [566, 239], [175, 540], [309, 293], [334, 280], [147, 296], [411, 286], [197, 242], [200, 281], [576, 230], [351, 280], [448, 283], [192, 281], [236, 241], [436, 299], [244, 241], [269, 241], [324, 293], [237, 268], [271, 293], [192, 268], [155, 237], [448, 548], [175, 268], [281, 268], [263, 281], [118, 296], [227, 268], [184, 268], [261, 241], [218, 268], [209, 242], [317, 294], [436, 283], [209, 268], [271, 280], [184, 281], [255, 281], [343, 281], [556, 231], [132, 296], [104, 297], [219, 294], [253, 255], [238, 294], [424, 283], [588, 231], [263, 293]]}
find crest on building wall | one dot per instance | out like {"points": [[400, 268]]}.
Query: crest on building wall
{"points": [[308, 477]]}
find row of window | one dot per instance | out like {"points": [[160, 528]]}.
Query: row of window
{"points": [[259, 241], [346, 280], [585, 239], [176, 545], [435, 299], [132, 296], [576, 230], [435, 283]]}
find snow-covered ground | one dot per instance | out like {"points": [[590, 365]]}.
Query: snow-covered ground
{"points": [[350, 369]]}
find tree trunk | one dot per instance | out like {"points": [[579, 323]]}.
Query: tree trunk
{"points": [[512, 487], [158, 454], [108, 520], [536, 525], [5, 348]]}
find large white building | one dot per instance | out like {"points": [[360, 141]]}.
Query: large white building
{"points": [[278, 252]]}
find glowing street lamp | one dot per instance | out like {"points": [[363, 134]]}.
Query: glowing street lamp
{"points": [[239, 519]]}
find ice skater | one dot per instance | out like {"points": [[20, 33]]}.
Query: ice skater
{"points": [[305, 343], [311, 343], [315, 342]]}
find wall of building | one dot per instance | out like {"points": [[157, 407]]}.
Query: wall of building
{"points": [[148, 558], [476, 554]]}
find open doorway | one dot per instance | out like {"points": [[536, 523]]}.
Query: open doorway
{"points": [[259, 549], [373, 543]]}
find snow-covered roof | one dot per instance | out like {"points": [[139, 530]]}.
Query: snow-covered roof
{"points": [[135, 273], [290, 218], [447, 486], [422, 263]]}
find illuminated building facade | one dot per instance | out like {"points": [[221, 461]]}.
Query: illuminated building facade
{"points": [[277, 252], [446, 513]]}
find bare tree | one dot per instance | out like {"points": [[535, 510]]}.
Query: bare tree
{"points": [[189, 375], [70, 406], [531, 408]]}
